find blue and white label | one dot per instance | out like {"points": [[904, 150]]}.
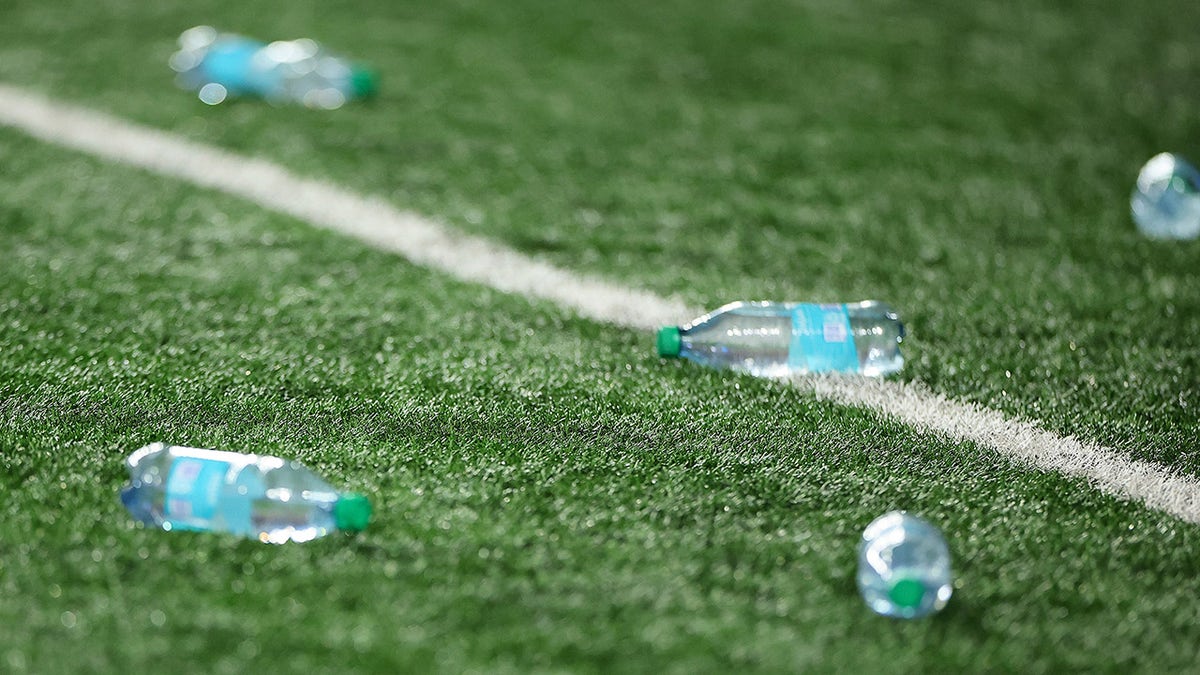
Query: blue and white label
{"points": [[193, 488], [821, 340]]}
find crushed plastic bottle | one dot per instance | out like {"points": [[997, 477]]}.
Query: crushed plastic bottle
{"points": [[903, 566], [774, 339], [258, 496], [1166, 199], [222, 65]]}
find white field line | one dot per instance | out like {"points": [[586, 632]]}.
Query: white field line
{"points": [[431, 244]]}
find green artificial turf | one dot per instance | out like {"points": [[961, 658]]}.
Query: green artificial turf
{"points": [[549, 495], [970, 164]]}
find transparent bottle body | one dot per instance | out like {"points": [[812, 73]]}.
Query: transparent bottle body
{"points": [[756, 338], [218, 65], [904, 567], [301, 71], [256, 496], [1166, 199]]}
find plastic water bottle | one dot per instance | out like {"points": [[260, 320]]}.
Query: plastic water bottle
{"points": [[903, 566], [1166, 200], [219, 65], [266, 498], [774, 339]]}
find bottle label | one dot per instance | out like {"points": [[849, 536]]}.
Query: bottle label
{"points": [[230, 64], [821, 340], [193, 488]]}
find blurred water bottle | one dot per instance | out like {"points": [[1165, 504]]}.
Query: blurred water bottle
{"points": [[1166, 200], [257, 496], [903, 566], [219, 65], [774, 339]]}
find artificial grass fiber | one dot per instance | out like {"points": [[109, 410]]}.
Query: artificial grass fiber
{"points": [[549, 494]]}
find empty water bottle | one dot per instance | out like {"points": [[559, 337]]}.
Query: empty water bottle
{"points": [[266, 498], [1166, 200], [219, 65], [774, 339], [903, 566]]}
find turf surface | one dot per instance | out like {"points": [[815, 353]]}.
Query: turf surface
{"points": [[970, 165], [549, 494]]}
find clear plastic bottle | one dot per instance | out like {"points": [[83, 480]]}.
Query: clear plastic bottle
{"points": [[1166, 199], [903, 566], [219, 65], [775, 339], [266, 498]]}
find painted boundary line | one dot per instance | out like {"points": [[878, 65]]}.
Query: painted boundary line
{"points": [[478, 260]]}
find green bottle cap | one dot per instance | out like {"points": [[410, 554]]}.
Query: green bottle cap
{"points": [[364, 82], [351, 512], [669, 341], [907, 593]]}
